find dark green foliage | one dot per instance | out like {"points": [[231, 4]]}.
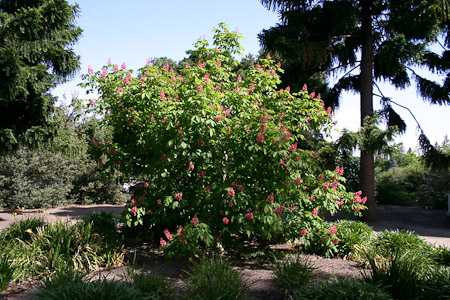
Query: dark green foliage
{"points": [[6, 272], [401, 274], [388, 242], [214, 278], [343, 290], [441, 255], [437, 284], [433, 192], [292, 272], [21, 229], [104, 224], [77, 287], [35, 55], [352, 235], [153, 285], [399, 185]]}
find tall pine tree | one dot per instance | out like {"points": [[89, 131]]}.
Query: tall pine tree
{"points": [[35, 55], [368, 41]]}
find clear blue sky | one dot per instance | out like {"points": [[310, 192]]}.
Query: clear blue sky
{"points": [[132, 31]]}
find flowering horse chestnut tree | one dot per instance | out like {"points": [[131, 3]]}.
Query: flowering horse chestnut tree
{"points": [[216, 152]]}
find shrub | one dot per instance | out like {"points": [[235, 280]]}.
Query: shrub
{"points": [[434, 190], [399, 185], [293, 272], [343, 290], [77, 287], [6, 272], [153, 285], [23, 229], [437, 283], [217, 151], [214, 278], [401, 274], [352, 235], [104, 224]]}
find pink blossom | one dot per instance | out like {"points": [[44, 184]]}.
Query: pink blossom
{"points": [[251, 88], [124, 66], [218, 87], [133, 202], [262, 128], [201, 174], [312, 95], [162, 96], [326, 185], [195, 220], [303, 232], [104, 72], [148, 212], [201, 64], [282, 162], [234, 184], [179, 196], [163, 158], [201, 142], [101, 164], [162, 242], [305, 87], [315, 211], [199, 87], [311, 198], [127, 79], [191, 165], [293, 147], [90, 71], [247, 128], [339, 203], [249, 216], [92, 102], [116, 68], [309, 119], [260, 138], [321, 177], [363, 200], [241, 188], [142, 79], [134, 210], [335, 241], [141, 200], [159, 202], [168, 235], [270, 198], [239, 78], [119, 90], [288, 89], [219, 64], [227, 112], [357, 208], [332, 230], [279, 210], [230, 192], [180, 230], [149, 61], [207, 189], [225, 220], [218, 118]]}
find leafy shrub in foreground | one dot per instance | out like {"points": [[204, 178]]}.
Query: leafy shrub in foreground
{"points": [[104, 224], [292, 272], [23, 229], [343, 290], [6, 272], [351, 235], [217, 151], [153, 285], [77, 287], [214, 278]]}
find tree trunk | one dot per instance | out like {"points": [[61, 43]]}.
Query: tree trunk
{"points": [[367, 172]]}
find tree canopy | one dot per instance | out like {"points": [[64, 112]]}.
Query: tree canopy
{"points": [[35, 55], [368, 42]]}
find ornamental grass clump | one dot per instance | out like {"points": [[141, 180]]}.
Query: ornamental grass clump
{"points": [[293, 272], [214, 278], [216, 152]]}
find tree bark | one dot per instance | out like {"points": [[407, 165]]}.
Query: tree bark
{"points": [[367, 172]]}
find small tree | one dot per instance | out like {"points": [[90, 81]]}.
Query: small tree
{"points": [[217, 151]]}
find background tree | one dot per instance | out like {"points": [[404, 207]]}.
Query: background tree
{"points": [[384, 40], [35, 55]]}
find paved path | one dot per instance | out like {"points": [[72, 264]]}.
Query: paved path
{"points": [[430, 224]]}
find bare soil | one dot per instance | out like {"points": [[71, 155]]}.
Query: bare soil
{"points": [[431, 225]]}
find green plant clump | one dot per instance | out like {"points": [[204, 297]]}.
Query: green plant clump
{"points": [[214, 278], [343, 290], [293, 272]]}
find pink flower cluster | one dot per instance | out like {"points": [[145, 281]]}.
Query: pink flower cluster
{"points": [[332, 230], [339, 171]]}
